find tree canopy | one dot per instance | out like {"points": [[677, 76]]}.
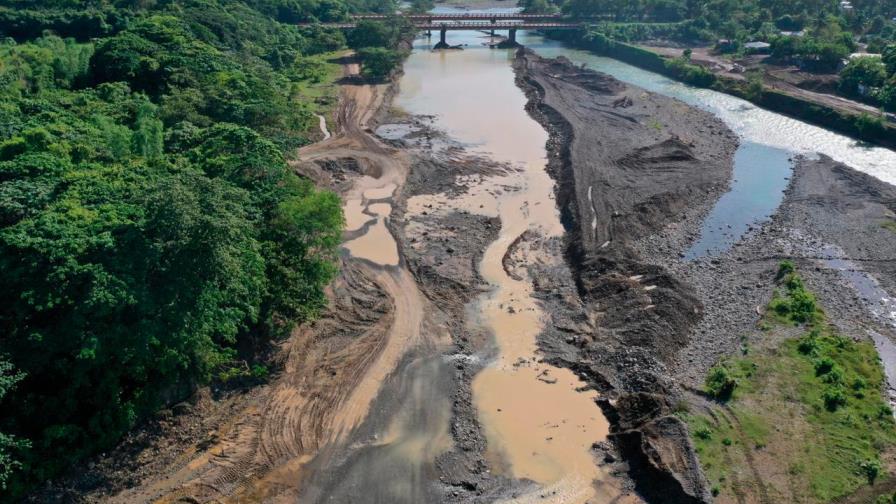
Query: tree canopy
{"points": [[152, 233]]}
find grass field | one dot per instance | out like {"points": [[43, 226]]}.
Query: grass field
{"points": [[805, 420], [321, 85]]}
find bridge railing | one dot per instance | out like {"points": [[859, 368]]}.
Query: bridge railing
{"points": [[475, 25], [463, 15]]}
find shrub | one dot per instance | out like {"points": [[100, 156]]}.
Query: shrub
{"points": [[793, 282], [808, 345], [870, 124], [260, 372], [720, 383], [833, 397], [802, 306], [696, 75], [703, 433], [824, 366], [834, 376], [870, 468]]}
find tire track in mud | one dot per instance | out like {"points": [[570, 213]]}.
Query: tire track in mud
{"points": [[332, 368]]}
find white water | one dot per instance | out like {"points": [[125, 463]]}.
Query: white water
{"points": [[750, 122]]}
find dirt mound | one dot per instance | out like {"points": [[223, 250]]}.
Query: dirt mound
{"points": [[595, 82], [669, 155], [629, 163]]}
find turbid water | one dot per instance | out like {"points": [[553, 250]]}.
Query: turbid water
{"points": [[538, 424]]}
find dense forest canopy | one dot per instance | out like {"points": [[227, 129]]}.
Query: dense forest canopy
{"points": [[151, 230]]}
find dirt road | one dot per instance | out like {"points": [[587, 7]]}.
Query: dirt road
{"points": [[332, 369]]}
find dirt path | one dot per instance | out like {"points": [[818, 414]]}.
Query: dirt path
{"points": [[332, 369]]}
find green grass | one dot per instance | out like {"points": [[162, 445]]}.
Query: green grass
{"points": [[322, 92], [890, 225], [778, 410]]}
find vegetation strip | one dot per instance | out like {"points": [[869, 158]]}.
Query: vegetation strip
{"points": [[153, 236], [810, 408]]}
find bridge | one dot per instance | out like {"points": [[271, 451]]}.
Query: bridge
{"points": [[462, 16], [490, 22]]}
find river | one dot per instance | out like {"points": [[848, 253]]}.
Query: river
{"points": [[538, 421]]}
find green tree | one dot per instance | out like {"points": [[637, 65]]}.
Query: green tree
{"points": [[537, 6], [422, 5], [889, 58], [9, 445], [866, 72], [378, 63], [370, 33], [148, 141]]}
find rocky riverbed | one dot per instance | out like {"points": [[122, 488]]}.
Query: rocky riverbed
{"points": [[636, 180], [636, 174]]}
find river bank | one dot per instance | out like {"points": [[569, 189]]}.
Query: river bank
{"points": [[456, 267], [648, 160], [671, 319], [810, 107]]}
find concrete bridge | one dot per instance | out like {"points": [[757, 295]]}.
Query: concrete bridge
{"points": [[472, 21]]}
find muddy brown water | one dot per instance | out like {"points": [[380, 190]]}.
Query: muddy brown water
{"points": [[538, 424], [539, 421]]}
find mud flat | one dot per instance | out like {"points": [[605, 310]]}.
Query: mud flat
{"points": [[628, 163]]}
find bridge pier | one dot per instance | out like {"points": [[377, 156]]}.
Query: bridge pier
{"points": [[510, 41], [443, 44]]}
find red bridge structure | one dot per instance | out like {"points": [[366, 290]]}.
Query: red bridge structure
{"points": [[489, 21]]}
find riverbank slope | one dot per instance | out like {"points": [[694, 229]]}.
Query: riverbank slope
{"points": [[657, 323], [843, 116], [629, 162]]}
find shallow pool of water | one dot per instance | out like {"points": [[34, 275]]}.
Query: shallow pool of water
{"points": [[761, 173]]}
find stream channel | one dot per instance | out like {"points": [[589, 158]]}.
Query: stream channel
{"points": [[538, 421]]}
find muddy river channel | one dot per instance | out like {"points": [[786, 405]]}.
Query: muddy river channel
{"points": [[539, 421]]}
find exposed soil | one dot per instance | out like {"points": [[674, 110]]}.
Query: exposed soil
{"points": [[636, 173], [812, 87], [647, 325], [628, 163]]}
